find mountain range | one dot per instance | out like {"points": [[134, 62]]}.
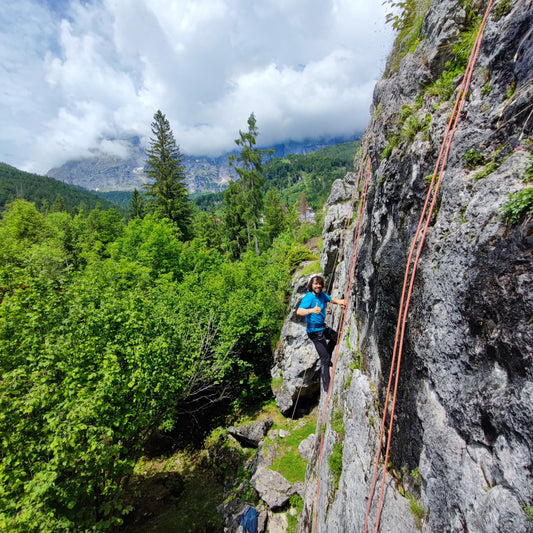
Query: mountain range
{"points": [[105, 172]]}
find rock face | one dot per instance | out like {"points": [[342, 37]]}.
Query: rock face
{"points": [[462, 442], [296, 370]]}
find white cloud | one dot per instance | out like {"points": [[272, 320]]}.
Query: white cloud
{"points": [[76, 77]]}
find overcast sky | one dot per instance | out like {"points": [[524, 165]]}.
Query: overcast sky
{"points": [[79, 76]]}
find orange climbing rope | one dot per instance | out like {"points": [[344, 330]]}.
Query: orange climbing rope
{"points": [[416, 249], [340, 248], [347, 293]]}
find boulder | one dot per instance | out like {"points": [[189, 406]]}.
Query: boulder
{"points": [[272, 487], [251, 435]]}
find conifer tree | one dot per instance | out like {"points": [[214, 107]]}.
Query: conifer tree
{"points": [[58, 205], [136, 205], [275, 215], [249, 167], [235, 226], [167, 195]]}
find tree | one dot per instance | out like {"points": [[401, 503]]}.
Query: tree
{"points": [[58, 205], [167, 195], [136, 205], [251, 179], [276, 216], [235, 227], [305, 209]]}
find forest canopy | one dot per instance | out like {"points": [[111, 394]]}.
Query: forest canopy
{"points": [[113, 329]]}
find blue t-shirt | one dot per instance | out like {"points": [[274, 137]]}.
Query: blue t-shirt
{"points": [[315, 322]]}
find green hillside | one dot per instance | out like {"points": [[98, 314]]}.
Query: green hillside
{"points": [[44, 191], [296, 175], [310, 174]]}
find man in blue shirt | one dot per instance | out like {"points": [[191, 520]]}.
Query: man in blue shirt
{"points": [[313, 308]]}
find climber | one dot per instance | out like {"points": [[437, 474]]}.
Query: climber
{"points": [[313, 308]]}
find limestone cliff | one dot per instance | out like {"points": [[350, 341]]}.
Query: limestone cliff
{"points": [[462, 441]]}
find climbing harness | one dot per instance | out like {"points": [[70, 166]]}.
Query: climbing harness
{"points": [[410, 271]]}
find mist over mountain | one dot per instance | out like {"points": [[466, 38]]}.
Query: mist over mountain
{"points": [[106, 172]]}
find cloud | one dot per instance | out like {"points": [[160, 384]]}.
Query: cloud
{"points": [[79, 77]]}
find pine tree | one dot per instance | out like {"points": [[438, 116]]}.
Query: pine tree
{"points": [[167, 195], [235, 226], [249, 167], [58, 205], [136, 205], [276, 216]]}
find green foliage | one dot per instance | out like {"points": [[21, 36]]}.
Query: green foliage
{"points": [[486, 89], [518, 207], [247, 192], [414, 125], [297, 504], [310, 174], [136, 205], [107, 333], [473, 158], [445, 85], [490, 167], [407, 20], [502, 8], [417, 509], [207, 200], [297, 254], [335, 463], [511, 89], [276, 217], [415, 475]]}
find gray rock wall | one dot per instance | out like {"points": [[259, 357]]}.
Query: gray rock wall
{"points": [[462, 443]]}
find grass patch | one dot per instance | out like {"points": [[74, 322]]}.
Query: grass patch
{"points": [[335, 463], [311, 268], [446, 84], [528, 509], [290, 464], [473, 159], [501, 9], [276, 383], [337, 423], [417, 509], [297, 504]]}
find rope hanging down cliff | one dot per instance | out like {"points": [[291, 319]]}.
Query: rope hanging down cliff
{"points": [[347, 293], [338, 256], [410, 271]]}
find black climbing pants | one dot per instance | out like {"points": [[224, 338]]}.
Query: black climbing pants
{"points": [[324, 341]]}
